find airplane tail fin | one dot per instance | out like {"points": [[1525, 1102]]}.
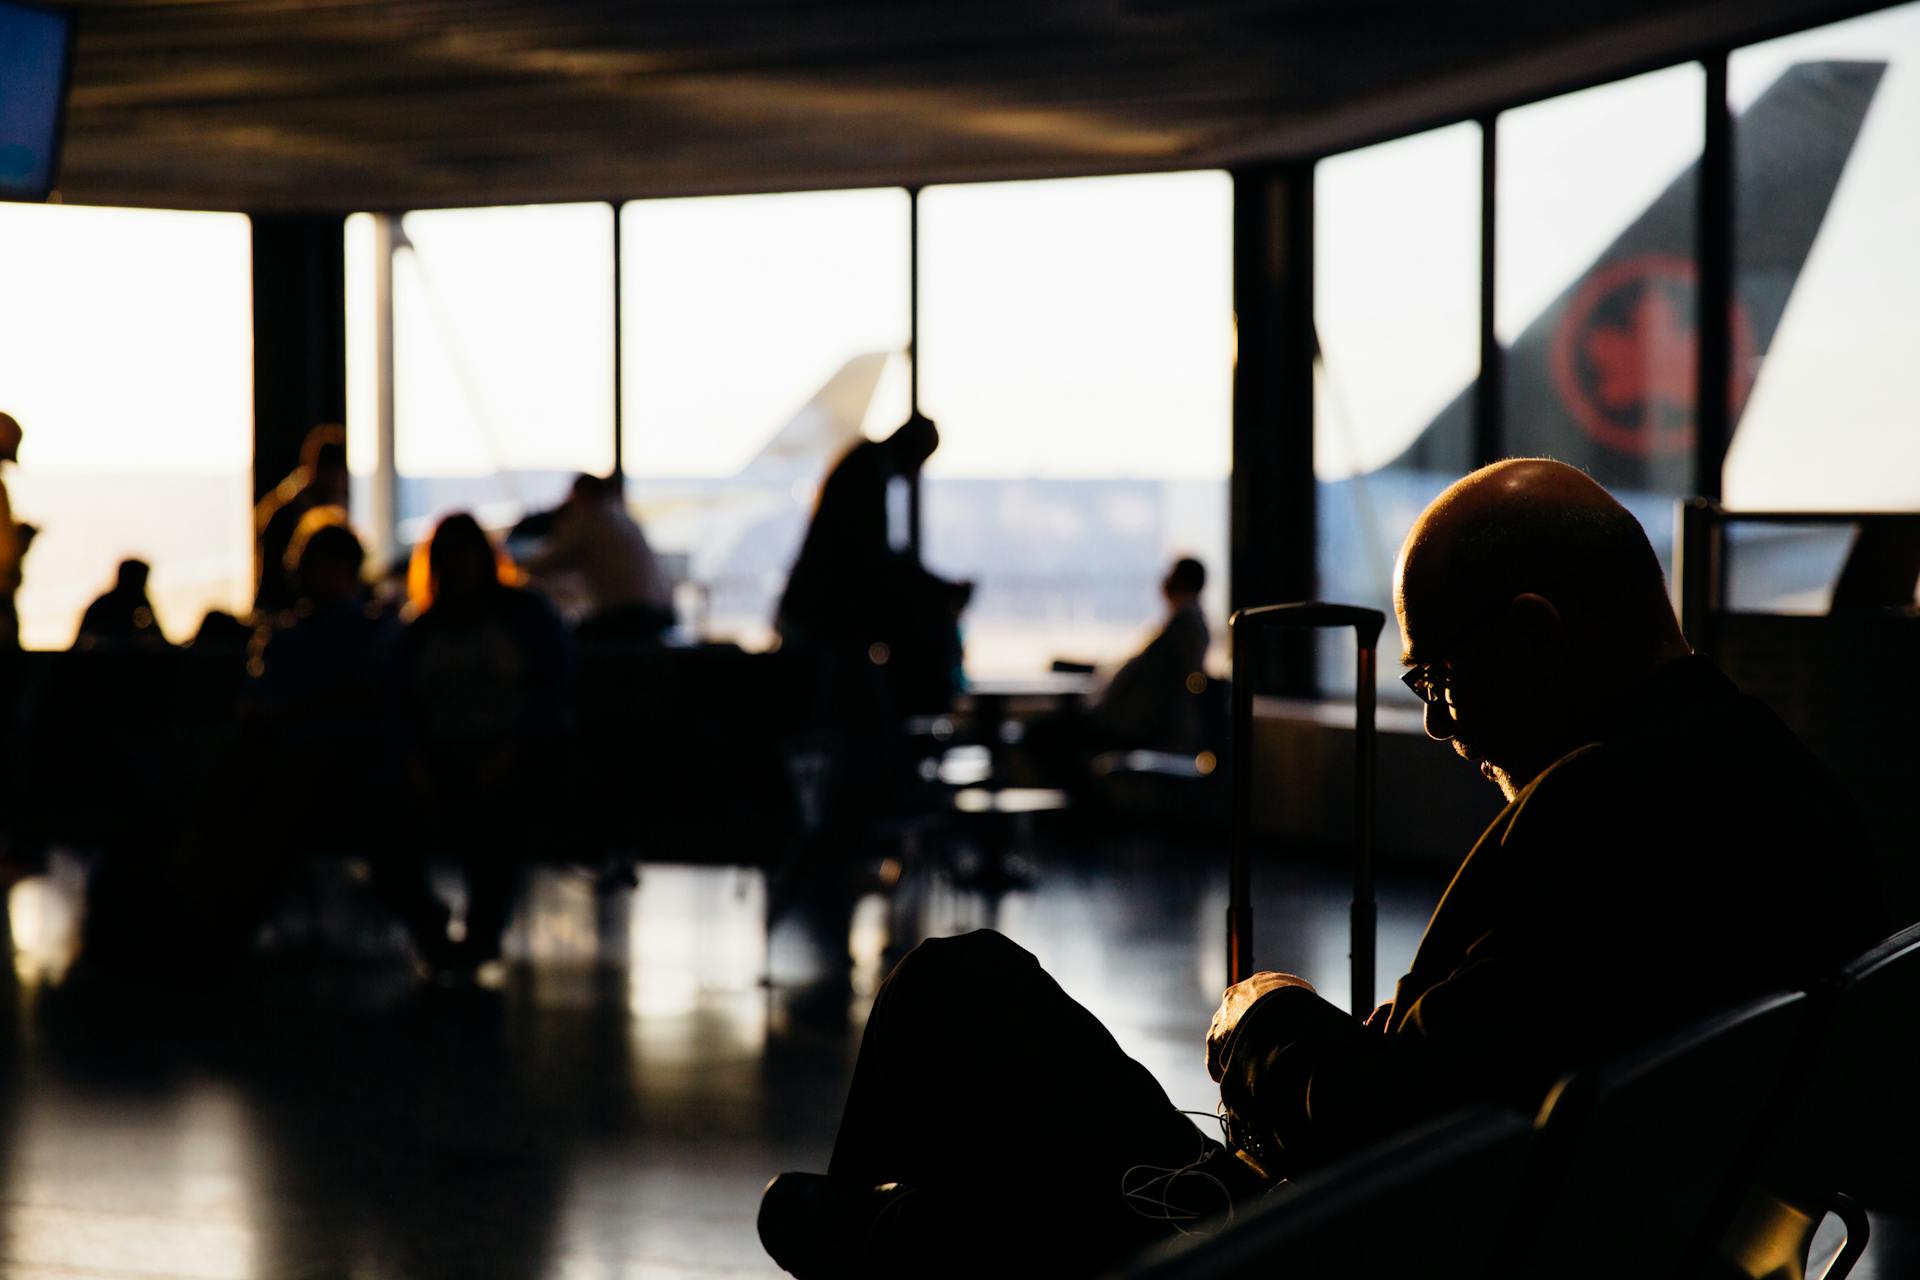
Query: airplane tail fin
{"points": [[827, 423], [1604, 377]]}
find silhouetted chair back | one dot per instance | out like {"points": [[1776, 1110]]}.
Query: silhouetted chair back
{"points": [[1828, 677], [1849, 1135], [1434, 1202], [1636, 1154]]}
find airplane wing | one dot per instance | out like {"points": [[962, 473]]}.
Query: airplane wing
{"points": [[1604, 377]]}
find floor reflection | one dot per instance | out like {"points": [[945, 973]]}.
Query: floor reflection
{"points": [[609, 1104]]}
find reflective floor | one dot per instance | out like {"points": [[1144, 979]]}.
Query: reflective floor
{"points": [[608, 1104]]}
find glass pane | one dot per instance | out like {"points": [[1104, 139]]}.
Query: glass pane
{"points": [[1828, 265], [1077, 351], [763, 336], [126, 353], [503, 359], [1596, 288], [1397, 306]]}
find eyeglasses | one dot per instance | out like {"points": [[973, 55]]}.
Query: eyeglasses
{"points": [[1427, 681]]}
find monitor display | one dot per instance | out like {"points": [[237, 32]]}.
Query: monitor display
{"points": [[33, 86]]}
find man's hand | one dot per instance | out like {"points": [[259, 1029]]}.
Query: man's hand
{"points": [[1234, 1004]]}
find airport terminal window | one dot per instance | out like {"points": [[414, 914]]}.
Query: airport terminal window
{"points": [[763, 335], [1828, 263], [503, 358], [126, 353], [1596, 284], [1397, 307], [1076, 345]]}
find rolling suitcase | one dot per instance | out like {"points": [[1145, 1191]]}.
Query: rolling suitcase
{"points": [[1250, 627]]}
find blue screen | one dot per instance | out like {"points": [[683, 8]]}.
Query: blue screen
{"points": [[33, 60]]}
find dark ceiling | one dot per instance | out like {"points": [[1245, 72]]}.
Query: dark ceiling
{"points": [[372, 104]]}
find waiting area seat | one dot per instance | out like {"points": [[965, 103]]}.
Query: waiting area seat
{"points": [[1712, 1154], [1847, 1132], [1635, 1154], [1435, 1202], [1618, 1175]]}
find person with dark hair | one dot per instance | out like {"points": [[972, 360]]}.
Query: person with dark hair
{"points": [[595, 539], [321, 480], [484, 676], [859, 594], [1152, 702], [1668, 846], [122, 616]]}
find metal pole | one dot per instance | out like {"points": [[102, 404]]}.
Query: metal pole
{"points": [[619, 356], [1489, 400], [384, 519], [1363, 918], [913, 299], [913, 359], [1713, 411], [1239, 874]]}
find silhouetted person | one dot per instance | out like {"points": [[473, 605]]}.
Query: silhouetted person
{"points": [[15, 538], [220, 631], [1667, 846], [321, 480], [853, 596], [595, 539], [484, 676], [318, 671], [122, 618], [317, 770], [1152, 702]]}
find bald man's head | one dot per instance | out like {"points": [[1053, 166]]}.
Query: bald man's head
{"points": [[10, 437], [1531, 595]]}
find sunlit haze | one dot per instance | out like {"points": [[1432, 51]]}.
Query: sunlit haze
{"points": [[1070, 331]]}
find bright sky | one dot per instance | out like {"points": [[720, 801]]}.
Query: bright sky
{"points": [[1069, 328], [1829, 422]]}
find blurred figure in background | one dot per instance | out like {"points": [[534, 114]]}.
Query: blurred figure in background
{"points": [[14, 539], [596, 540], [316, 767], [122, 618], [1152, 702], [857, 594], [484, 679], [321, 480]]}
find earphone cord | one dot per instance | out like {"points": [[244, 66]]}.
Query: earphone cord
{"points": [[1151, 1199]]}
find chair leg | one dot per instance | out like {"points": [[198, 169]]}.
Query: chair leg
{"points": [[1850, 1213]]}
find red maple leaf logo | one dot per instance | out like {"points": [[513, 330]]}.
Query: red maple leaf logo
{"points": [[1647, 362]]}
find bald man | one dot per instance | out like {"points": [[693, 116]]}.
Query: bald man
{"points": [[1667, 846]]}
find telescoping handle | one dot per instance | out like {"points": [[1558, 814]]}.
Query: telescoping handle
{"points": [[1248, 626]]}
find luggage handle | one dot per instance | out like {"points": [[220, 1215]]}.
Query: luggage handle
{"points": [[1246, 624]]}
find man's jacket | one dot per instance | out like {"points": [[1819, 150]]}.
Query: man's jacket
{"points": [[1696, 853]]}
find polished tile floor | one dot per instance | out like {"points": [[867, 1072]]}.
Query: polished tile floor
{"points": [[608, 1104]]}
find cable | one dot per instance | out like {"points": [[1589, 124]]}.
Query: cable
{"points": [[1152, 1199]]}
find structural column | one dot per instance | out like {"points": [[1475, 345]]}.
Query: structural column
{"points": [[1271, 504], [299, 336], [1713, 414]]}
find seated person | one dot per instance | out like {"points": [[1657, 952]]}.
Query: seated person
{"points": [[1151, 701], [1667, 846], [485, 683], [595, 540], [320, 481], [122, 617]]}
